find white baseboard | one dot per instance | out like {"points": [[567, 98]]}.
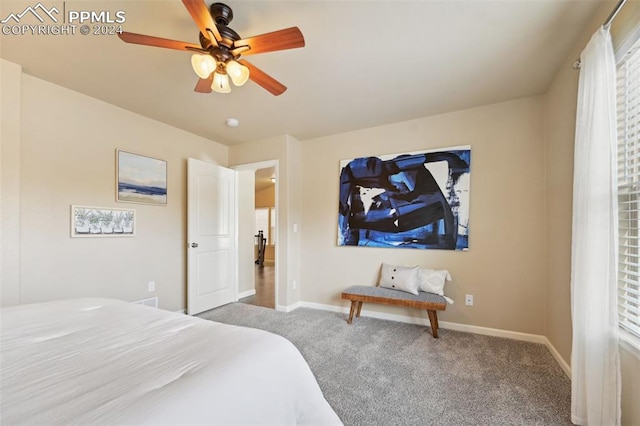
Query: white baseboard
{"points": [[496, 332], [323, 307], [563, 364], [289, 308], [425, 321], [247, 293], [515, 335]]}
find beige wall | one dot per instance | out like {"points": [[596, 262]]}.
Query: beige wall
{"points": [[630, 366], [67, 156], [10, 107], [505, 266], [266, 197], [560, 133], [560, 126]]}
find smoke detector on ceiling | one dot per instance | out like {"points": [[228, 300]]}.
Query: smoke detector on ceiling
{"points": [[232, 122]]}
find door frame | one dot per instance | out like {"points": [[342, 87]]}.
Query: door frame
{"points": [[257, 166]]}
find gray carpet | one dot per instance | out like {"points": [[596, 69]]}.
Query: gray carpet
{"points": [[377, 372]]}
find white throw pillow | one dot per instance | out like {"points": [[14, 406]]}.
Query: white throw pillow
{"points": [[404, 278], [432, 281]]}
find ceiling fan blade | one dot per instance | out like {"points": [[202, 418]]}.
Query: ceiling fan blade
{"points": [[158, 42], [201, 16], [263, 79], [289, 38], [204, 85]]}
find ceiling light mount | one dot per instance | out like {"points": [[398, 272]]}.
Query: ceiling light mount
{"points": [[221, 13]]}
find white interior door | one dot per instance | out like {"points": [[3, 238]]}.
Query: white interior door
{"points": [[211, 259]]}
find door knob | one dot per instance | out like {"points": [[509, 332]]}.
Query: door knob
{"points": [[194, 245]]}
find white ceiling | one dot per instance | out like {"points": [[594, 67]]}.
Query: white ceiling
{"points": [[365, 63]]}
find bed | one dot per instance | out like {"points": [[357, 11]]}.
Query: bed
{"points": [[103, 361]]}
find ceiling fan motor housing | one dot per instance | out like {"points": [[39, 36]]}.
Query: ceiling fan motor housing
{"points": [[221, 13]]}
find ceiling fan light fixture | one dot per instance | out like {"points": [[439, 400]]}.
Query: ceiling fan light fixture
{"points": [[239, 73], [220, 45], [203, 65], [220, 83]]}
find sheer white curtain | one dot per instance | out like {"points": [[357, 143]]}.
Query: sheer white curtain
{"points": [[595, 364]]}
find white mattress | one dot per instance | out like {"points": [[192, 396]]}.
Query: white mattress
{"points": [[102, 361]]}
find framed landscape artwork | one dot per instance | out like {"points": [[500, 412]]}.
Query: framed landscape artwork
{"points": [[412, 200], [140, 179], [102, 222]]}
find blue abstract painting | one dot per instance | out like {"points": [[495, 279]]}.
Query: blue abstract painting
{"points": [[414, 200], [141, 179]]}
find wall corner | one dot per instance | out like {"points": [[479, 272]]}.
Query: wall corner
{"points": [[10, 165]]}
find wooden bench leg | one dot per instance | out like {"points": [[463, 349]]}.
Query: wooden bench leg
{"points": [[433, 319], [353, 309], [359, 309]]}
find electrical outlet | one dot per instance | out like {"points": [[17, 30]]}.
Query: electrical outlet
{"points": [[294, 284], [468, 299], [152, 286]]}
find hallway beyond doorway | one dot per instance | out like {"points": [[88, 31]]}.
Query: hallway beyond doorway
{"points": [[265, 288]]}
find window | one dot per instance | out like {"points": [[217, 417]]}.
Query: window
{"points": [[628, 95], [266, 222], [262, 221], [272, 226]]}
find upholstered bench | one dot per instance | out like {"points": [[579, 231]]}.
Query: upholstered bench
{"points": [[429, 301]]}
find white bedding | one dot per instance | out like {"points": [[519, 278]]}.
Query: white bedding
{"points": [[102, 361]]}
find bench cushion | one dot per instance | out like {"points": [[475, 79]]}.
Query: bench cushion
{"points": [[362, 290]]}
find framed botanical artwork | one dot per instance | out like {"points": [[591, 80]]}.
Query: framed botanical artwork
{"points": [[140, 179], [102, 222]]}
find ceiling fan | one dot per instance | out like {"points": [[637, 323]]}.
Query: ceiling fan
{"points": [[217, 58]]}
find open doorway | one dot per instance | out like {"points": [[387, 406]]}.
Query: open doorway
{"points": [[265, 239]]}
